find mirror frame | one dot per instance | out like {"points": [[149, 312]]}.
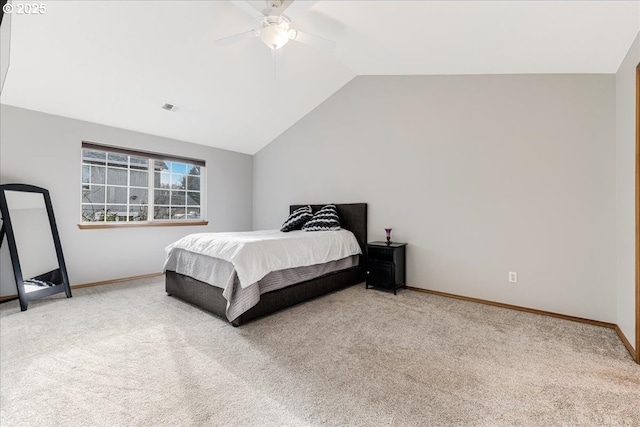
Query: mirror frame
{"points": [[7, 228]]}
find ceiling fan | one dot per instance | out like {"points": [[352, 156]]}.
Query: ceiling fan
{"points": [[275, 25]]}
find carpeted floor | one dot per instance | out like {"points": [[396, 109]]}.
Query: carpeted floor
{"points": [[127, 354]]}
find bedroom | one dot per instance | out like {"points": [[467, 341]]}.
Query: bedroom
{"points": [[510, 154]]}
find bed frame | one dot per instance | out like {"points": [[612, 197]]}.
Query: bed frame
{"points": [[353, 217]]}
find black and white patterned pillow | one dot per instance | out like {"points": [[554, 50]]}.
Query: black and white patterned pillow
{"points": [[325, 219], [297, 219]]}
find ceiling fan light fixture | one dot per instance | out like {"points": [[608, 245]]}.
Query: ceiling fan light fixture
{"points": [[275, 31], [274, 36]]}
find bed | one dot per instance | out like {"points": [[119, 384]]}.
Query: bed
{"points": [[353, 217]]}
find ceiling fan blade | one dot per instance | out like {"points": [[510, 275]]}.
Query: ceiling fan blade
{"points": [[242, 4], [311, 40], [226, 41], [296, 8]]}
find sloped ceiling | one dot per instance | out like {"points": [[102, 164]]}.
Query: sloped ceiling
{"points": [[117, 62]]}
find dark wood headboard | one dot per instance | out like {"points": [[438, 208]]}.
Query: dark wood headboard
{"points": [[353, 217]]}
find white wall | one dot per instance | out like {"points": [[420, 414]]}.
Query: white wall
{"points": [[625, 190], [44, 150], [480, 174]]}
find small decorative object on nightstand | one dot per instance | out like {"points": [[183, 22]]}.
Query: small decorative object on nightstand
{"points": [[388, 231], [386, 265]]}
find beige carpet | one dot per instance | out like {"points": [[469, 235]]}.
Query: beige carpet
{"points": [[127, 354]]}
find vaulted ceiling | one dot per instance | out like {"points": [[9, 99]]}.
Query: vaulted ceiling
{"points": [[117, 62]]}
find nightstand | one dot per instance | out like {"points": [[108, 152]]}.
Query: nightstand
{"points": [[386, 265]]}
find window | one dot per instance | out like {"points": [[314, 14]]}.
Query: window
{"points": [[126, 186], [176, 190]]}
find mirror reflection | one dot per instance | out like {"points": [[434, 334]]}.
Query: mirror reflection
{"points": [[34, 241]]}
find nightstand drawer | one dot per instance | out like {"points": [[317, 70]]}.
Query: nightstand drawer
{"points": [[381, 274], [380, 254]]}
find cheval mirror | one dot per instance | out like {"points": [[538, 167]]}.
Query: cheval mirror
{"points": [[34, 243]]}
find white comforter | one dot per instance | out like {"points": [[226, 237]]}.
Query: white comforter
{"points": [[254, 254]]}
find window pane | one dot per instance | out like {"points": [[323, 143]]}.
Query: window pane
{"points": [[161, 197], [92, 213], [138, 163], [193, 183], [116, 213], [193, 213], [193, 198], [177, 167], [159, 165], [116, 176], [161, 212], [162, 179], [86, 173], [178, 182], [194, 170], [138, 213], [97, 174], [138, 179], [138, 196], [117, 195], [94, 194], [94, 157], [178, 213], [178, 198], [118, 160]]}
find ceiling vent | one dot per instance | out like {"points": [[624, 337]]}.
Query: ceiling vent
{"points": [[169, 107]]}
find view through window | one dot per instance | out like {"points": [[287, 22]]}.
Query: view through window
{"points": [[120, 185]]}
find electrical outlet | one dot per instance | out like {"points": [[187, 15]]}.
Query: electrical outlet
{"points": [[513, 277]]}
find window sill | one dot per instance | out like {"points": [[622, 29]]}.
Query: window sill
{"points": [[116, 224]]}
